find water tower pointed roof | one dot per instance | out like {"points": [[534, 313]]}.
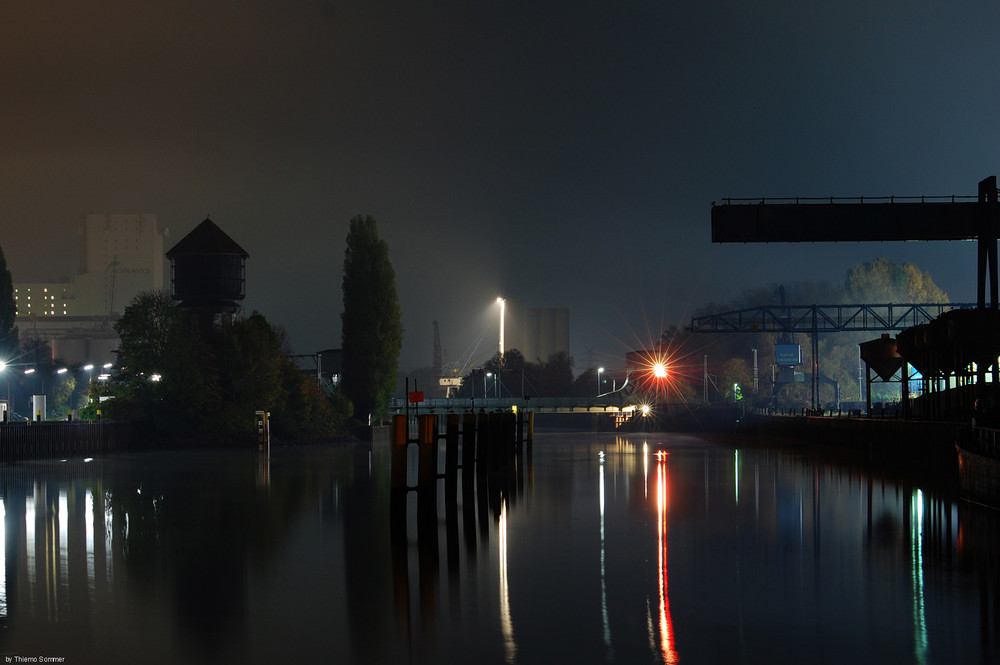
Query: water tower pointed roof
{"points": [[206, 238]]}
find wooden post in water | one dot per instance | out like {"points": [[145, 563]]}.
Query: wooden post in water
{"points": [[483, 441], [468, 442], [427, 450], [397, 467], [451, 461], [451, 446], [508, 430]]}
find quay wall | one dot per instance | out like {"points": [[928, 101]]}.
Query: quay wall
{"points": [[46, 439], [910, 443]]}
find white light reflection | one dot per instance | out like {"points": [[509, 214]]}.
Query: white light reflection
{"points": [[604, 585], [506, 625], [29, 539], [108, 535], [63, 518], [3, 559], [645, 470], [666, 624], [736, 476], [916, 543], [88, 517]]}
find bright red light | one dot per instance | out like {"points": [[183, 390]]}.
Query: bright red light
{"points": [[658, 373]]}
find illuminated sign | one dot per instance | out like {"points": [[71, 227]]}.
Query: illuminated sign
{"points": [[787, 354]]}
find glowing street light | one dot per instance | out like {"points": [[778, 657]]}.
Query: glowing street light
{"points": [[599, 371], [6, 408], [484, 382], [503, 311]]}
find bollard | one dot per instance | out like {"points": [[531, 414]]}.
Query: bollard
{"points": [[397, 471], [509, 424], [451, 445], [427, 449], [468, 441], [483, 441]]}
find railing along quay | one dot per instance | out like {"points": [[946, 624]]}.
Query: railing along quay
{"points": [[36, 440]]}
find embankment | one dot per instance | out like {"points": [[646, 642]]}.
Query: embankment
{"points": [[38, 440], [905, 443]]}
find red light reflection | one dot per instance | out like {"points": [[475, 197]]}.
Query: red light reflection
{"points": [[666, 623]]}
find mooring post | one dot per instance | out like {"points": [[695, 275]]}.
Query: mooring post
{"points": [[397, 468], [494, 439], [451, 461], [483, 441], [451, 445], [509, 424], [427, 450], [468, 442]]}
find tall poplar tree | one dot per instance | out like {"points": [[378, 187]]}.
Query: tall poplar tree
{"points": [[372, 327], [8, 312]]}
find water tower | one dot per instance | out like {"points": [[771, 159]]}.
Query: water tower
{"points": [[208, 272]]}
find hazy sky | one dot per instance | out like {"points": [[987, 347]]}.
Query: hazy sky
{"points": [[565, 154]]}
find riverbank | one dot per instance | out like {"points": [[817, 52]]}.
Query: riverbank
{"points": [[909, 443], [39, 440]]}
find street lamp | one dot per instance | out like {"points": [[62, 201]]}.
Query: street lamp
{"points": [[503, 311], [599, 371], [484, 382], [3, 366]]}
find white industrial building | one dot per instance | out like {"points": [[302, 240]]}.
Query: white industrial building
{"points": [[121, 256]]}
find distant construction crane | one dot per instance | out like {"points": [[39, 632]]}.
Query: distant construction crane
{"points": [[437, 353]]}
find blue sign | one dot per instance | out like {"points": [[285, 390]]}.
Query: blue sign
{"points": [[787, 354]]}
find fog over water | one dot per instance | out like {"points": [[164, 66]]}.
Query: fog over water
{"points": [[566, 154]]}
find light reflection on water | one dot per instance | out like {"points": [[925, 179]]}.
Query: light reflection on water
{"points": [[583, 548]]}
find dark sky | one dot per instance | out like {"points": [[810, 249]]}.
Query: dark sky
{"points": [[563, 154]]}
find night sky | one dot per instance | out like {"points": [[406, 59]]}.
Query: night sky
{"points": [[562, 154]]}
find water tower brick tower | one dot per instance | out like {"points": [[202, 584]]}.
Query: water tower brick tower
{"points": [[208, 272]]}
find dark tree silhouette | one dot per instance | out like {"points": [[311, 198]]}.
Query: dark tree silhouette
{"points": [[372, 328], [8, 312]]}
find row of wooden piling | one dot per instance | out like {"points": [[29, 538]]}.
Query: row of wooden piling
{"points": [[485, 438]]}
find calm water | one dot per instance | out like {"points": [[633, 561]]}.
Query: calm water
{"points": [[591, 549]]}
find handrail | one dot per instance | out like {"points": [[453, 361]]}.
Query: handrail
{"points": [[800, 200]]}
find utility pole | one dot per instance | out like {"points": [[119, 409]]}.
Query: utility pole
{"points": [[704, 391]]}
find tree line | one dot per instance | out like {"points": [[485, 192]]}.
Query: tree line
{"points": [[730, 355], [181, 380], [176, 378]]}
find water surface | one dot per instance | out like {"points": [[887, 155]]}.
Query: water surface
{"points": [[585, 548]]}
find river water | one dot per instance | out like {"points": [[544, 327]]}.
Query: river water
{"points": [[586, 548]]}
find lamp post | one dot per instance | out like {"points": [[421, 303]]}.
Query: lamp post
{"points": [[484, 382], [599, 371], [3, 367], [503, 312]]}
